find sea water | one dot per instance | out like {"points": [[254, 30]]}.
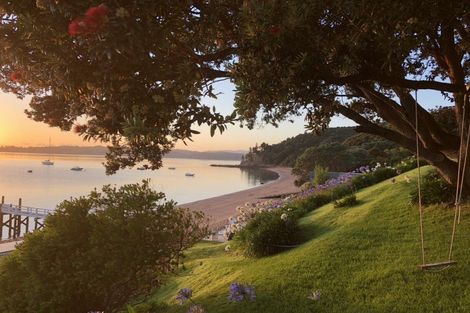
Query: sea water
{"points": [[44, 186]]}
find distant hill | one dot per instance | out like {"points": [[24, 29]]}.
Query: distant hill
{"points": [[287, 151], [101, 151]]}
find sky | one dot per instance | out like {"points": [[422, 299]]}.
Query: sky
{"points": [[16, 129]]}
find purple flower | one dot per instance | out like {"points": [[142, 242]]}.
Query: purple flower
{"points": [[240, 292], [184, 295]]}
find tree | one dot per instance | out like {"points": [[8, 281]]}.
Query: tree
{"points": [[137, 70], [128, 73], [335, 156], [97, 252], [361, 59]]}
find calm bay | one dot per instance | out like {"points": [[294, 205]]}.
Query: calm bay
{"points": [[44, 186]]}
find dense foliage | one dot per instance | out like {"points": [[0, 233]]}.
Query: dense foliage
{"points": [[268, 233], [96, 252], [334, 156], [374, 177], [340, 149], [434, 190], [133, 73], [321, 175], [287, 151]]}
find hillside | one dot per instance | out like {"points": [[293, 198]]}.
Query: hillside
{"points": [[361, 259], [286, 153]]}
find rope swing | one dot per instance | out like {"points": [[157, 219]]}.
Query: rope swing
{"points": [[462, 162]]}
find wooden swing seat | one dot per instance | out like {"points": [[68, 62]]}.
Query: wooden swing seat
{"points": [[437, 265]]}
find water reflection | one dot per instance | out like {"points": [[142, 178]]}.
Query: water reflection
{"points": [[257, 176]]}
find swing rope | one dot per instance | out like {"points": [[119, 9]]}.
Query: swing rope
{"points": [[460, 175], [420, 206], [466, 152], [461, 167]]}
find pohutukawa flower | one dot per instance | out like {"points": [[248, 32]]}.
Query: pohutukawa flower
{"points": [[98, 13], [92, 22], [78, 27], [16, 76]]}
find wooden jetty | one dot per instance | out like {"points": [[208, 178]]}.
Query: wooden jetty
{"points": [[19, 219]]}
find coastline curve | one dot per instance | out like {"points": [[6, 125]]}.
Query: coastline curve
{"points": [[219, 209]]}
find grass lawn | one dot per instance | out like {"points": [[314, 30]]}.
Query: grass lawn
{"points": [[361, 259]]}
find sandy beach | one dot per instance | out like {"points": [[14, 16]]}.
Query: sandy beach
{"points": [[219, 209]]}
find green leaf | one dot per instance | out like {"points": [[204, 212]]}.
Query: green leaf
{"points": [[213, 128]]}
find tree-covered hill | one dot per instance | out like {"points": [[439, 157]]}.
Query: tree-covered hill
{"points": [[365, 148], [287, 151]]}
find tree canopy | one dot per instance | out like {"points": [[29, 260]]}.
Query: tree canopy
{"points": [[136, 71]]}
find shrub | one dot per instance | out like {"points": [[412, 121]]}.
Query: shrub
{"points": [[369, 179], [320, 175], [266, 232], [97, 252], [383, 173], [315, 201], [347, 201], [407, 165], [341, 191], [434, 189], [362, 181]]}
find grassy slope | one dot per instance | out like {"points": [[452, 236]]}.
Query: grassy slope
{"points": [[362, 259]]}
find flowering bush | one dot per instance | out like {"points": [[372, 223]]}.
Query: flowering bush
{"points": [[268, 233], [238, 292], [241, 292], [184, 295], [297, 205], [375, 175]]}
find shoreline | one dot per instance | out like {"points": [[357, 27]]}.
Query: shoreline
{"points": [[219, 209]]}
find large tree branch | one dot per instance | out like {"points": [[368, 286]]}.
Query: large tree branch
{"points": [[389, 110], [374, 129], [445, 142], [399, 82]]}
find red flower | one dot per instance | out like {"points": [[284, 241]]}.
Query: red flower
{"points": [[78, 26], [92, 22], [98, 13], [275, 30], [16, 76]]}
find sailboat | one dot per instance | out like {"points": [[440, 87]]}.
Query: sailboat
{"points": [[48, 161]]}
